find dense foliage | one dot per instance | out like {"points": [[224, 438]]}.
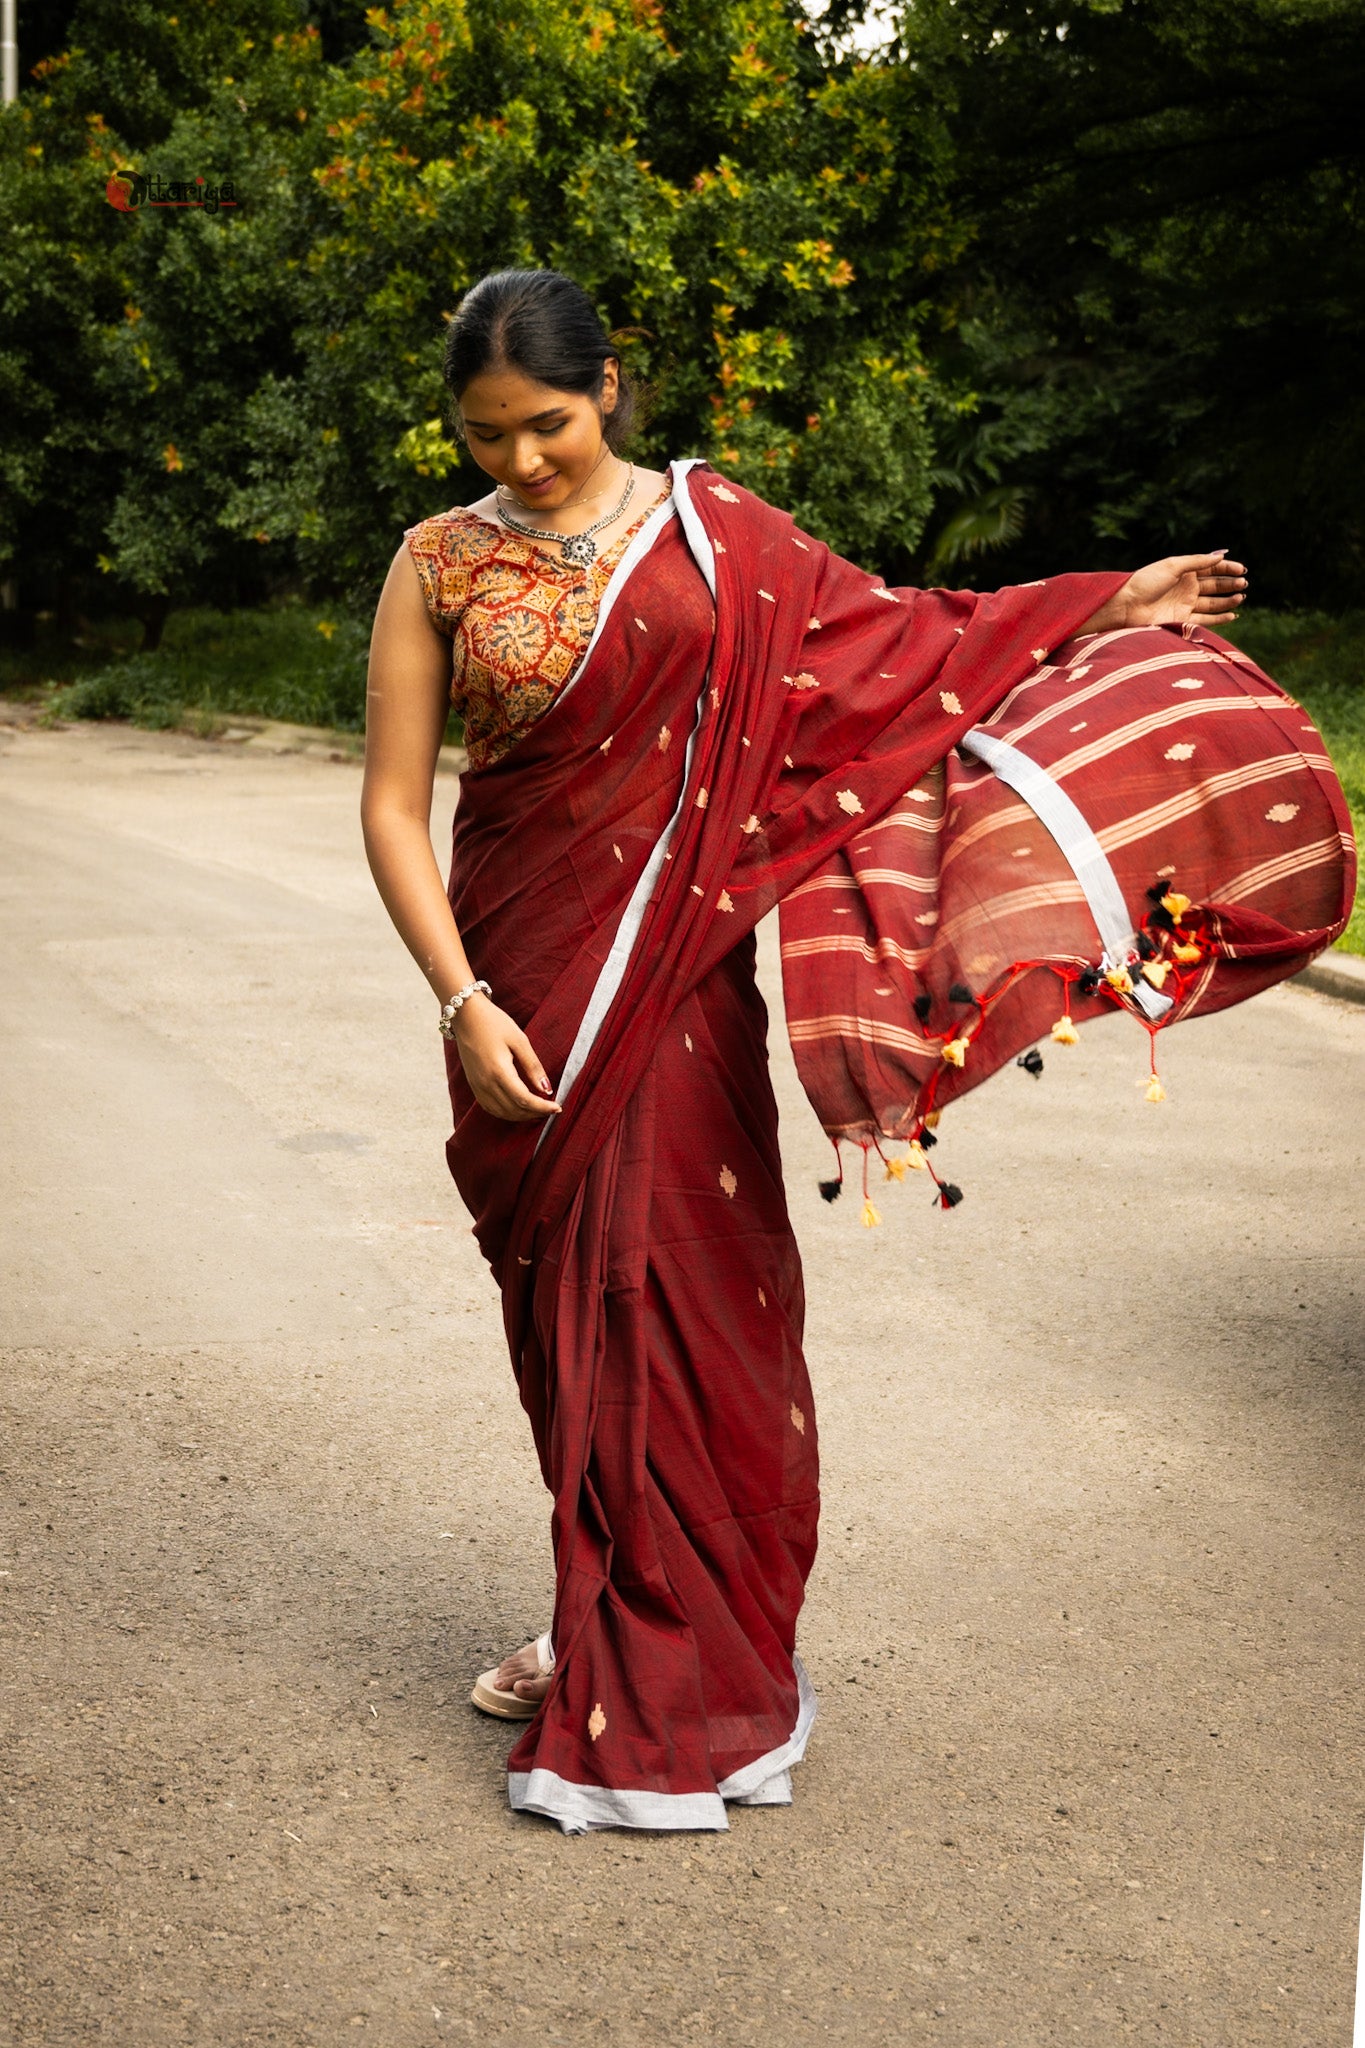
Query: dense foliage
{"points": [[1044, 284]]}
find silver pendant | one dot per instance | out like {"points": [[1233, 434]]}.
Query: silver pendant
{"points": [[579, 550]]}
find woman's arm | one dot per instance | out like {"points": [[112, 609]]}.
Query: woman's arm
{"points": [[1182, 590], [406, 704]]}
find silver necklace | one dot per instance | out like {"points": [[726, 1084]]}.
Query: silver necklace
{"points": [[579, 549]]}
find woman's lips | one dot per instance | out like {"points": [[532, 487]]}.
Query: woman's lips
{"points": [[539, 487]]}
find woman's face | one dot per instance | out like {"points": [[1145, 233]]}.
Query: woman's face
{"points": [[542, 443]]}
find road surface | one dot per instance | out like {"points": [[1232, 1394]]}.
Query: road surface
{"points": [[1086, 1622]]}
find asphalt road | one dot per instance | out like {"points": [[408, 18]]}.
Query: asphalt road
{"points": [[1086, 1622]]}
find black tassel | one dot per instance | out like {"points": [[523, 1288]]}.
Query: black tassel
{"points": [[1157, 891], [926, 1140], [1162, 919], [1146, 950], [1089, 981], [831, 1189], [922, 1006], [1031, 1061], [959, 993], [948, 1195]]}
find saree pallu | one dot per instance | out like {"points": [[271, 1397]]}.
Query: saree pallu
{"points": [[749, 703]]}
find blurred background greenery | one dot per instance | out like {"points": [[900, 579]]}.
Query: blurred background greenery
{"points": [[979, 290]]}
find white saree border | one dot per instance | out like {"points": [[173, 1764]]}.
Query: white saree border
{"points": [[613, 968], [581, 1808], [1087, 859]]}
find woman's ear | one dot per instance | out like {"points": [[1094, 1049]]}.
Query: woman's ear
{"points": [[611, 385]]}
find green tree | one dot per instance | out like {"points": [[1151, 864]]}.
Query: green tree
{"points": [[702, 174], [1160, 308]]}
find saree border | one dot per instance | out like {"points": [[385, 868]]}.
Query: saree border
{"points": [[581, 1808], [613, 969]]}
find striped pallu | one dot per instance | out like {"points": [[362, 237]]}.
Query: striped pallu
{"points": [[956, 923]]}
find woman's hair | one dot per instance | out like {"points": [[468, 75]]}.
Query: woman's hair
{"points": [[543, 324]]}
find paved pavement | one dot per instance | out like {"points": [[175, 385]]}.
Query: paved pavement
{"points": [[1086, 1622]]}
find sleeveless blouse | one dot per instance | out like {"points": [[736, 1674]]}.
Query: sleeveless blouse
{"points": [[519, 620]]}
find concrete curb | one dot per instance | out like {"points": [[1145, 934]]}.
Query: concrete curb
{"points": [[1335, 974], [275, 736], [253, 735]]}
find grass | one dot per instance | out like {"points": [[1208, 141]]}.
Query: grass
{"points": [[306, 665], [291, 662], [1320, 660]]}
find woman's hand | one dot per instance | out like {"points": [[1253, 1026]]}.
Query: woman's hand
{"points": [[500, 1064], [1184, 590]]}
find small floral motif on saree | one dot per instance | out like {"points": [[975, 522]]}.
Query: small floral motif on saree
{"points": [[848, 800], [687, 1040], [719, 491], [798, 1420], [762, 1299], [952, 704], [1280, 814], [750, 823], [703, 799], [723, 901], [813, 626], [664, 737], [641, 624], [880, 590], [800, 544], [1181, 751], [804, 681], [728, 1182], [768, 594], [617, 851], [605, 747], [597, 1722], [1189, 683], [1039, 653]]}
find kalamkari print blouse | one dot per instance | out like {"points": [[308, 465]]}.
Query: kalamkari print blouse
{"points": [[518, 618]]}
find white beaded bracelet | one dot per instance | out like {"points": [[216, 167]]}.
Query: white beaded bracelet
{"points": [[451, 1010]]}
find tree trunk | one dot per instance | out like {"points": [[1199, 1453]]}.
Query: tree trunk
{"points": [[153, 612]]}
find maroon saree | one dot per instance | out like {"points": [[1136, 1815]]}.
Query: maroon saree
{"points": [[748, 705]]}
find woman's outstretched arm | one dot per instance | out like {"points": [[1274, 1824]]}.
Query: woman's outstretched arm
{"points": [[1182, 590], [405, 715]]}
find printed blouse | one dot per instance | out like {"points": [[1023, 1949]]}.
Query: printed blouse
{"points": [[519, 620]]}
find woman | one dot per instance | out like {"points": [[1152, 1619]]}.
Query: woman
{"points": [[677, 708]]}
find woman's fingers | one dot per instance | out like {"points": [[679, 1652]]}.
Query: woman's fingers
{"points": [[499, 1063], [514, 1099], [523, 1052]]}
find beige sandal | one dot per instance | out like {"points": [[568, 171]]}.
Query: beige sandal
{"points": [[510, 1706]]}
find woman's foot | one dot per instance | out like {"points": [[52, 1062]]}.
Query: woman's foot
{"points": [[521, 1674]]}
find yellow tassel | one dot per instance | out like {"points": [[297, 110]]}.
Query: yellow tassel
{"points": [[1186, 952], [1176, 904], [1155, 1091], [955, 1051], [870, 1216], [895, 1169], [1120, 979], [1156, 971], [933, 1120], [1064, 1031], [915, 1158]]}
